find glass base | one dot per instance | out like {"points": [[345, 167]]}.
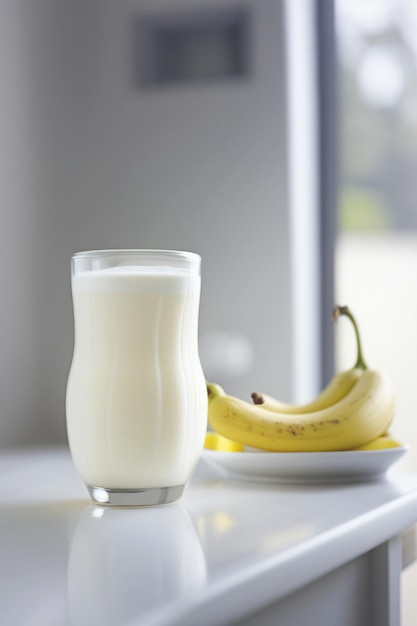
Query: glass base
{"points": [[152, 496]]}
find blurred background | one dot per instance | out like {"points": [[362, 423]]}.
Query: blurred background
{"points": [[376, 240], [170, 125], [277, 138]]}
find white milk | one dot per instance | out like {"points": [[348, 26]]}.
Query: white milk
{"points": [[136, 397]]}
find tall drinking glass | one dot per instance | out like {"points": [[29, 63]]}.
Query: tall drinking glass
{"points": [[136, 397]]}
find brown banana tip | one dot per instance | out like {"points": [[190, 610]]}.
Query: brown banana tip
{"points": [[339, 310], [257, 398]]}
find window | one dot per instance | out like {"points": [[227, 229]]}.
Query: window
{"points": [[376, 251], [376, 247], [191, 46]]}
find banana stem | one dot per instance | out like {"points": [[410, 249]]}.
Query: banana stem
{"points": [[344, 310]]}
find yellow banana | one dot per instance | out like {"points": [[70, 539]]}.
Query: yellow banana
{"points": [[354, 419], [336, 389], [214, 441], [381, 443], [361, 416]]}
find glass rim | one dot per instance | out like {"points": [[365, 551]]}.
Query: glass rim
{"points": [[86, 254]]}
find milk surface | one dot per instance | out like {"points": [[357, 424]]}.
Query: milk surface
{"points": [[136, 396]]}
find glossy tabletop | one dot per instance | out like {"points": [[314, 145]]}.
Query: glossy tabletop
{"points": [[226, 549]]}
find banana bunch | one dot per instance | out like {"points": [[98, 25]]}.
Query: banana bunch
{"points": [[356, 408]]}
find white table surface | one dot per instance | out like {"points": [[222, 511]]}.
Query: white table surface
{"points": [[228, 548]]}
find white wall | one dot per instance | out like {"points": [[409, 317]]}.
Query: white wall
{"points": [[88, 161]]}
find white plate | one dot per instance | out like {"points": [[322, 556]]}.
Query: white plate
{"points": [[305, 467]]}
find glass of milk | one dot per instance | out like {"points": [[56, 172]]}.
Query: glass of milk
{"points": [[136, 397]]}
